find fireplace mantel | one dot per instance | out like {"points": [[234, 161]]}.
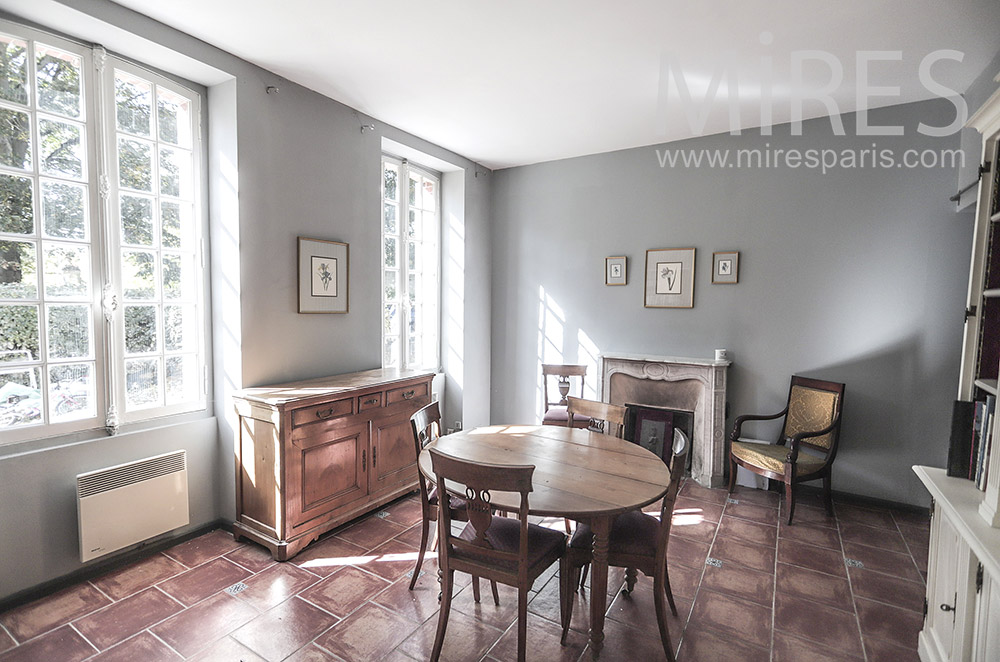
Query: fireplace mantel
{"points": [[703, 392]]}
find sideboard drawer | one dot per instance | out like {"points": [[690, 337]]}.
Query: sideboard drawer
{"points": [[323, 412], [370, 401], [406, 393]]}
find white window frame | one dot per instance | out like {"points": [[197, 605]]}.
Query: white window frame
{"points": [[431, 256], [107, 325]]}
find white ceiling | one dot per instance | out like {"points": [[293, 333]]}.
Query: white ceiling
{"points": [[522, 81]]}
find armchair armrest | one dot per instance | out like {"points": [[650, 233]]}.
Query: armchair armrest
{"points": [[793, 442], [740, 420]]}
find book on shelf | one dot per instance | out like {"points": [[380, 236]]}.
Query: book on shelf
{"points": [[985, 441], [960, 442]]}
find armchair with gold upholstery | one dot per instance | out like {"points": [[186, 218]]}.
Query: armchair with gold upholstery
{"points": [[807, 445]]}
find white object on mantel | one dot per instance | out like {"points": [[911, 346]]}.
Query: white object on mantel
{"points": [[708, 446]]}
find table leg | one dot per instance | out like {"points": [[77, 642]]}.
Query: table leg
{"points": [[598, 582]]}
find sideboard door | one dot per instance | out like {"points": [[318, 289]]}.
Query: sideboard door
{"points": [[394, 453], [326, 470]]}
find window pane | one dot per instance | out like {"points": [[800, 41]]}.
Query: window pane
{"points": [[430, 195], [69, 332], [390, 284], [411, 351], [61, 150], [178, 277], [133, 104], [16, 205], [389, 258], [64, 210], [57, 76], [138, 275], [390, 179], [175, 173], [19, 333], [181, 379], [176, 226], [142, 383], [15, 139], [414, 191], [135, 165], [390, 353], [174, 117], [140, 329], [391, 320], [413, 224], [180, 331], [137, 219], [390, 218], [18, 270], [71, 392], [13, 70], [20, 397], [412, 289], [67, 270], [411, 318], [411, 255]]}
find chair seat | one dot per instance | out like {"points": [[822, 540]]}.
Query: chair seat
{"points": [[557, 415], [544, 545], [771, 457], [632, 533]]}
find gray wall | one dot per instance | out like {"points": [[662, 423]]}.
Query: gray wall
{"points": [[856, 275], [281, 166]]}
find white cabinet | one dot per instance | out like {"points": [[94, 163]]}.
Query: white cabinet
{"points": [[962, 621]]}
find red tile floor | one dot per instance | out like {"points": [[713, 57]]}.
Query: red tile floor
{"points": [[747, 588]]}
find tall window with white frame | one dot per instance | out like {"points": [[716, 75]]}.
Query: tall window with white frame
{"points": [[411, 259], [101, 282]]}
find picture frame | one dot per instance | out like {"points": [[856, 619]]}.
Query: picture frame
{"points": [[324, 276], [669, 278], [615, 270], [725, 268], [654, 431]]}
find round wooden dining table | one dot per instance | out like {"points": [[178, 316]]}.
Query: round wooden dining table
{"points": [[579, 474]]}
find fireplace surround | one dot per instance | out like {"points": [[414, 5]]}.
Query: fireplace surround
{"points": [[696, 385]]}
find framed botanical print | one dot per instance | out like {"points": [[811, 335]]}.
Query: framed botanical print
{"points": [[670, 278], [726, 267], [615, 271], [324, 272]]}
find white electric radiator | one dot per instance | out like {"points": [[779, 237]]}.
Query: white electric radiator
{"points": [[126, 504]]}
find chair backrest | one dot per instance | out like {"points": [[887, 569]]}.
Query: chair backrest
{"points": [[561, 372], [426, 426], [814, 404], [613, 415], [678, 459], [478, 480]]}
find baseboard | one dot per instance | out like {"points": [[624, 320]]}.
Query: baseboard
{"points": [[860, 500], [115, 562]]}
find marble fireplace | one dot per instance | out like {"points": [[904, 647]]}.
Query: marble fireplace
{"points": [[695, 385]]}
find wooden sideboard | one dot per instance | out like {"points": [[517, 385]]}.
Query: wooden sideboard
{"points": [[314, 454]]}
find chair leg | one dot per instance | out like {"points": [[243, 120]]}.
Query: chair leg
{"points": [[661, 616], [789, 501], [475, 589], [446, 584], [522, 622], [666, 588], [827, 493], [569, 530], [567, 593], [420, 554], [631, 575], [583, 575], [496, 596], [733, 468]]}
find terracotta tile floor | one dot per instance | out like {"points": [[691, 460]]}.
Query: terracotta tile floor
{"points": [[747, 587]]}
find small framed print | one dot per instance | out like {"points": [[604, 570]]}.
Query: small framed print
{"points": [[726, 268], [324, 271], [615, 271], [670, 278]]}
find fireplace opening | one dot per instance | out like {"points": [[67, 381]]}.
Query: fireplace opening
{"points": [[653, 428]]}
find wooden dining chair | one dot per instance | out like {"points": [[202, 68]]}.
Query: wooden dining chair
{"points": [[637, 541], [503, 549], [426, 426], [811, 422], [602, 417], [555, 410]]}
